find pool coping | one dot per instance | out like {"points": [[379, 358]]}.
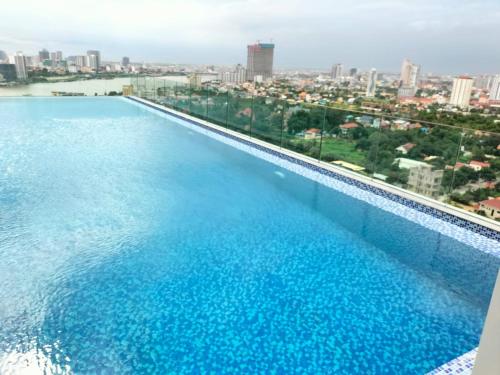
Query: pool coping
{"points": [[461, 218]]}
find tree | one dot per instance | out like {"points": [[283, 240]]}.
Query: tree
{"points": [[298, 122], [487, 174]]}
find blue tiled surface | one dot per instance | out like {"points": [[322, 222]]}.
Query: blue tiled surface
{"points": [[446, 258], [455, 220], [462, 365], [133, 247], [440, 253]]}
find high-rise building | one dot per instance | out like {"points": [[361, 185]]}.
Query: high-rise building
{"points": [[35, 61], [353, 72], [125, 61], [337, 71], [44, 55], [483, 82], [495, 88], [92, 62], [372, 83], [53, 58], [94, 59], [7, 72], [409, 79], [21, 71], [461, 91], [237, 76], [195, 80], [409, 73], [405, 72], [260, 60], [80, 61], [406, 91], [3, 57]]}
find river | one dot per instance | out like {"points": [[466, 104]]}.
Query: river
{"points": [[88, 87]]}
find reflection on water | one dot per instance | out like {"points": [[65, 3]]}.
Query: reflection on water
{"points": [[36, 361]]}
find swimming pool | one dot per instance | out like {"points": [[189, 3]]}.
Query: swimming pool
{"points": [[132, 243]]}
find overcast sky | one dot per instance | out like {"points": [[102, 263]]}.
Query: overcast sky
{"points": [[444, 36]]}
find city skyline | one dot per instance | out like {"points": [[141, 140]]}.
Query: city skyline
{"points": [[445, 38]]}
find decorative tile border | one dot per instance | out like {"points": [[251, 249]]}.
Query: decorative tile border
{"points": [[462, 365], [474, 234]]}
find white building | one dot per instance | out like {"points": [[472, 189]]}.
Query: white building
{"points": [[92, 62], [407, 91], [372, 83], [422, 178], [94, 59], [237, 76], [495, 88], [20, 61], [409, 73], [337, 71], [483, 82], [405, 163], [491, 208], [195, 80], [461, 91], [80, 61]]}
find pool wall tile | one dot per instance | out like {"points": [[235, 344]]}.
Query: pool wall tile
{"points": [[462, 365], [439, 251], [478, 236]]}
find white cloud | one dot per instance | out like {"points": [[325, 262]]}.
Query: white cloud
{"points": [[307, 33]]}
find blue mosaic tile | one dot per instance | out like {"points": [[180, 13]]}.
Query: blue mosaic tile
{"points": [[461, 365], [486, 239]]}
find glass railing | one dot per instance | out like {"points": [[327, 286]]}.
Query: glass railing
{"points": [[452, 164]]}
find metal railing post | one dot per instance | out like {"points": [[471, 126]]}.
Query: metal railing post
{"points": [[321, 134], [251, 115], [227, 108]]}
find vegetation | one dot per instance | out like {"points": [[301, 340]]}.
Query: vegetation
{"points": [[371, 143]]}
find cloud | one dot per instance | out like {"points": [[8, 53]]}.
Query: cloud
{"points": [[314, 34]]}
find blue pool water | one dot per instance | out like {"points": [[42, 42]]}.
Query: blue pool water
{"points": [[133, 245]]}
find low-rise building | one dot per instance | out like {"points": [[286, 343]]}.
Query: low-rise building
{"points": [[491, 208], [478, 165], [312, 133], [474, 164], [405, 163], [345, 128], [404, 149], [424, 180]]}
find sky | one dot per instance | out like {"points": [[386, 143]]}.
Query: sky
{"points": [[444, 36]]}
